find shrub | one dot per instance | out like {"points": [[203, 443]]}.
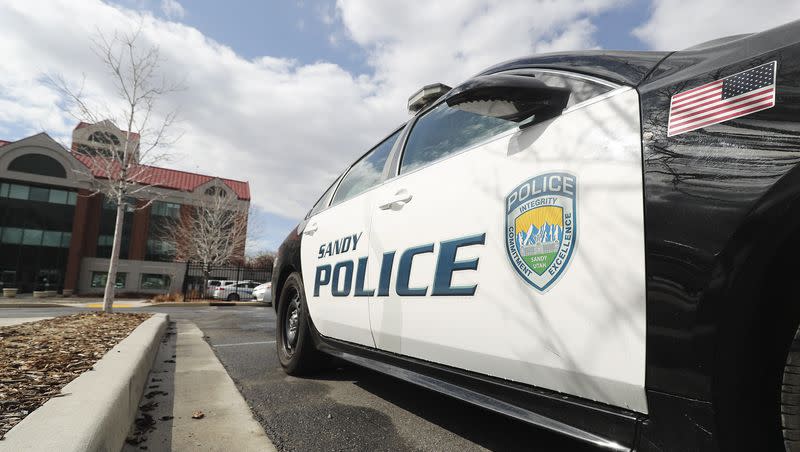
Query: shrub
{"points": [[165, 298]]}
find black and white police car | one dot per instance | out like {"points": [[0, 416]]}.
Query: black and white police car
{"points": [[603, 244]]}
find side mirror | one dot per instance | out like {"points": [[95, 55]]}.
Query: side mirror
{"points": [[511, 97]]}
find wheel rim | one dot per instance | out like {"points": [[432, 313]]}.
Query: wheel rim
{"points": [[291, 324]]}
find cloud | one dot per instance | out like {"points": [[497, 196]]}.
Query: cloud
{"points": [[677, 24], [288, 128], [172, 9]]}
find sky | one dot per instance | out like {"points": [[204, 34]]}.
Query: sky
{"points": [[286, 94]]}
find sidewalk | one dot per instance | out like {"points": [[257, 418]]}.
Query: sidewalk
{"points": [[187, 377]]}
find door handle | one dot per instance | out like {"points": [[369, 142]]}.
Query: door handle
{"points": [[401, 198], [310, 228]]}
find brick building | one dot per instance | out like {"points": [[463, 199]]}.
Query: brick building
{"points": [[54, 234]]}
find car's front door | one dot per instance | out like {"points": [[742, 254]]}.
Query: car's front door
{"points": [[333, 241], [519, 253]]}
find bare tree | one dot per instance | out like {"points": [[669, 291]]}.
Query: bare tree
{"points": [[212, 233], [262, 259], [118, 160]]}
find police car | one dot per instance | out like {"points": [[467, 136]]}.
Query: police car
{"points": [[603, 244]]}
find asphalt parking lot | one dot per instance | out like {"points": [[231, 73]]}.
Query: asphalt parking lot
{"points": [[343, 409]]}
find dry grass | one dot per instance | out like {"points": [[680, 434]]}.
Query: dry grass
{"points": [[169, 298], [37, 359]]}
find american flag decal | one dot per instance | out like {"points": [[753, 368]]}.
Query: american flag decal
{"points": [[721, 100]]}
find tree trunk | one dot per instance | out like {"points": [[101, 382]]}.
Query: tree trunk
{"points": [[206, 277], [111, 281]]}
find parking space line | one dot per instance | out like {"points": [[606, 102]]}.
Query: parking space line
{"points": [[244, 343]]}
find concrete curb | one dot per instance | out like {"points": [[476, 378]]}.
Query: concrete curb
{"points": [[99, 406]]}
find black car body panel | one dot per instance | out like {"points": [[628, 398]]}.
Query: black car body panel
{"points": [[622, 67], [287, 261], [721, 215], [721, 204]]}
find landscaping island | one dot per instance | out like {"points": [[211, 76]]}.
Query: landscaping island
{"points": [[37, 359]]}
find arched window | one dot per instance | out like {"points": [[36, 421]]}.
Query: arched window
{"points": [[104, 138], [211, 191], [38, 164]]}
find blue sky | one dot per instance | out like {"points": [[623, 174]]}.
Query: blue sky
{"points": [[286, 93]]}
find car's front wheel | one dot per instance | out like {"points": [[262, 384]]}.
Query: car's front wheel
{"points": [[296, 350], [233, 297]]}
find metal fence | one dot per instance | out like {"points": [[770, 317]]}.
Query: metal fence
{"points": [[196, 287]]}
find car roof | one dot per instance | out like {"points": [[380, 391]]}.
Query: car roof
{"points": [[623, 67]]}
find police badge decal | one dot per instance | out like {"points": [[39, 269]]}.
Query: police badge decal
{"points": [[541, 227]]}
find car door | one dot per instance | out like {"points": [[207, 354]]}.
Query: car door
{"points": [[519, 253], [334, 238]]}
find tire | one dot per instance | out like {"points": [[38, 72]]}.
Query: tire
{"points": [[233, 297], [296, 351], [790, 397]]}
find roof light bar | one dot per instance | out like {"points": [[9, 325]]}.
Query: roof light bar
{"points": [[425, 96]]}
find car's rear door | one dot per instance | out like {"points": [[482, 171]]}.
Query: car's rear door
{"points": [[519, 253], [333, 240]]}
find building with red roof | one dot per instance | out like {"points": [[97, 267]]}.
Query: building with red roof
{"points": [[56, 231]]}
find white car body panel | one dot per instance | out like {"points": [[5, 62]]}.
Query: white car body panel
{"points": [[224, 291], [263, 292], [342, 318], [585, 334]]}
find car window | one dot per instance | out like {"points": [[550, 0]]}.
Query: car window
{"points": [[323, 200], [365, 173], [443, 131], [581, 89]]}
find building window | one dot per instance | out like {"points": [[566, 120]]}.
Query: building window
{"points": [[38, 164], [52, 239], [12, 236], [58, 197], [108, 219], [165, 209], [16, 191], [109, 204], [104, 138], [32, 237], [219, 191], [160, 250], [35, 237], [40, 194], [155, 281], [99, 279]]}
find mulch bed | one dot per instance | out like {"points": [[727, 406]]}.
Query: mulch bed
{"points": [[37, 359]]}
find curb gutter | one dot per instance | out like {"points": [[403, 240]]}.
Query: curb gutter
{"points": [[98, 407]]}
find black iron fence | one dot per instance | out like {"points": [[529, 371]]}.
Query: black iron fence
{"points": [[228, 282]]}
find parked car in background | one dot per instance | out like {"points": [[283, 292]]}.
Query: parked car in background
{"points": [[214, 283], [263, 292], [236, 291]]}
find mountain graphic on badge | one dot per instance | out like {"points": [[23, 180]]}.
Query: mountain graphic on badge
{"points": [[540, 236], [541, 227]]}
